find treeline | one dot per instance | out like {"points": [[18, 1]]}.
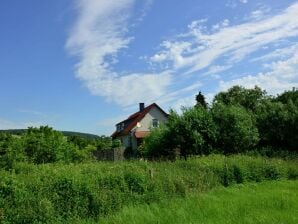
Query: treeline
{"points": [[45, 145], [65, 133], [238, 120]]}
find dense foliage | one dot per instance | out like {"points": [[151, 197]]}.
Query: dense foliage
{"points": [[45, 145], [236, 128], [61, 193], [239, 120]]}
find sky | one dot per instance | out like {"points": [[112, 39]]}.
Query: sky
{"points": [[84, 65]]}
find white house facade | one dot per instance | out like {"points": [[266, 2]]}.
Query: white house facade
{"points": [[138, 125]]}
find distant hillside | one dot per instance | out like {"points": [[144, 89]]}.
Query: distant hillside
{"points": [[65, 133]]}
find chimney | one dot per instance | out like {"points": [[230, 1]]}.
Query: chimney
{"points": [[142, 106]]}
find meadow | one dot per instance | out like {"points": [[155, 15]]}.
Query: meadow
{"points": [[72, 193], [272, 202]]}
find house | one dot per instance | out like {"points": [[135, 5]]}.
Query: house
{"points": [[138, 125]]}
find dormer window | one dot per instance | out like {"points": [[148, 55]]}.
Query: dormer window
{"points": [[118, 127], [154, 123], [122, 126]]}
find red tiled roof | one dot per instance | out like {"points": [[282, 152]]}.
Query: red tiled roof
{"points": [[134, 119], [141, 134]]}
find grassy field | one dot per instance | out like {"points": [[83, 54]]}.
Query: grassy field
{"points": [[267, 202], [69, 193]]}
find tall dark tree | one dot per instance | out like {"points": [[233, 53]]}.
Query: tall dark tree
{"points": [[200, 98]]}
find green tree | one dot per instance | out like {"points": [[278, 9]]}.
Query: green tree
{"points": [[11, 150], [278, 124], [45, 145], [193, 132], [237, 130], [287, 96], [250, 99], [158, 144]]}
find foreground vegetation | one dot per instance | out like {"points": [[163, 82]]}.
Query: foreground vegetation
{"points": [[268, 202], [59, 193]]}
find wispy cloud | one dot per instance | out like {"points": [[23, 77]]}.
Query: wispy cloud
{"points": [[98, 35], [283, 75], [199, 47], [280, 53], [101, 32]]}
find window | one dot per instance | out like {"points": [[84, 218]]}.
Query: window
{"points": [[118, 128], [154, 123], [122, 126]]}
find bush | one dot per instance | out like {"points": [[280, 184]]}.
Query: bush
{"points": [[158, 144], [278, 125], [193, 133], [57, 193], [42, 145], [237, 131]]}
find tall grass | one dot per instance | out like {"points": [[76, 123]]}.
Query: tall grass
{"points": [[268, 202], [58, 193]]}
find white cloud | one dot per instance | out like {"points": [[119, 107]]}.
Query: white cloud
{"points": [[220, 25], [199, 48], [215, 69], [282, 75], [96, 38], [260, 13], [281, 53], [100, 33], [257, 14]]}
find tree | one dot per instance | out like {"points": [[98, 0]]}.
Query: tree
{"points": [[200, 99], [278, 124], [11, 150], [288, 96], [45, 145], [193, 132], [250, 99], [237, 130], [158, 144]]}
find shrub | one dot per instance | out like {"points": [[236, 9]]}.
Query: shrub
{"points": [[237, 131], [58, 193]]}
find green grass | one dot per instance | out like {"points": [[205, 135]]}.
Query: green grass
{"points": [[267, 202], [60, 193]]}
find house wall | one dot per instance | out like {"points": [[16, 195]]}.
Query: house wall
{"points": [[145, 125], [146, 122], [134, 143], [125, 141]]}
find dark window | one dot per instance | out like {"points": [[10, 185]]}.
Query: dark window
{"points": [[154, 123]]}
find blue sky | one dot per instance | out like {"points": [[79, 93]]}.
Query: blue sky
{"points": [[84, 65]]}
